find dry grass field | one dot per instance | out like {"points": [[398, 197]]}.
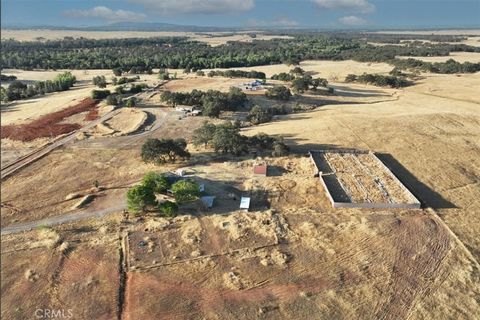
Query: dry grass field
{"points": [[295, 256]]}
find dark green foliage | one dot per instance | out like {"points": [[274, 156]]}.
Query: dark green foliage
{"points": [[379, 80], [258, 115], [100, 94], [131, 103], [227, 139], [4, 77], [117, 72], [155, 181], [18, 90], [278, 93], [319, 82], [283, 76], [200, 73], [238, 74], [124, 80], [263, 142], [141, 55], [185, 190], [301, 84], [211, 101], [99, 81], [168, 208], [139, 198], [297, 71], [111, 100], [161, 151], [204, 134], [137, 88], [448, 67]]}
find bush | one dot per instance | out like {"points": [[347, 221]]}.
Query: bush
{"points": [[131, 103], [168, 208], [258, 115], [278, 93], [283, 76], [99, 81], [200, 73], [139, 198], [112, 100], [185, 190], [100, 94]]}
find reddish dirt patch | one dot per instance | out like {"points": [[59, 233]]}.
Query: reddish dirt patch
{"points": [[91, 115], [48, 125]]}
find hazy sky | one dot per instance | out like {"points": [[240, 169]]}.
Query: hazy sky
{"points": [[251, 13]]}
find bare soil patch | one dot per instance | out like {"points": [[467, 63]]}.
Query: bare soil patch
{"points": [[48, 125]]}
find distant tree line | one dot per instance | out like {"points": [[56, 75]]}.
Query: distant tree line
{"points": [[237, 74], [212, 102], [379, 80], [447, 67], [142, 54], [18, 90]]}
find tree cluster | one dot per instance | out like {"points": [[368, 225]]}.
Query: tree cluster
{"points": [[379, 80], [18, 90], [226, 138], [212, 102], [141, 197], [99, 81]]}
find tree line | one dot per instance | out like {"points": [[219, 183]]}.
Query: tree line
{"points": [[237, 74], [141, 55], [379, 80], [18, 90]]}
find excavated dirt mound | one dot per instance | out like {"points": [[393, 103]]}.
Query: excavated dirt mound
{"points": [[127, 121]]}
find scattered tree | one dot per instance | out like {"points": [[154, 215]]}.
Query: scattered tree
{"points": [[161, 151], [278, 93], [168, 208], [158, 183], [139, 198]]}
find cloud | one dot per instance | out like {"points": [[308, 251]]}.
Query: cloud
{"points": [[352, 21], [361, 6], [102, 12], [280, 22], [167, 7]]}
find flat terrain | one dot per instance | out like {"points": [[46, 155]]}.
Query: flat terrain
{"points": [[452, 32], [211, 38], [294, 256]]}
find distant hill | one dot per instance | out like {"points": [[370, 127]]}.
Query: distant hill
{"points": [[129, 26]]}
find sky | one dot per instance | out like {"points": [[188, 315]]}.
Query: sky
{"points": [[246, 13]]}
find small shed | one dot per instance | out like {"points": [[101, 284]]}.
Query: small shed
{"points": [[260, 170], [245, 203], [207, 201]]}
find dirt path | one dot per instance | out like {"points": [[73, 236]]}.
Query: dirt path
{"points": [[65, 218], [24, 161]]}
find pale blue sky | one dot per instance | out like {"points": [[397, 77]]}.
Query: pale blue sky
{"points": [[247, 13]]}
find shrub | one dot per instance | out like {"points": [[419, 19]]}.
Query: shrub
{"points": [[185, 190], [99, 81], [258, 115], [100, 94], [131, 103], [168, 208], [139, 198], [111, 100], [278, 93]]}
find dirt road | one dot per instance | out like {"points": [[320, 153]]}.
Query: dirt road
{"points": [[37, 154]]}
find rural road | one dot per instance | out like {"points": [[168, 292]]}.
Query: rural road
{"points": [[72, 216], [12, 167]]}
